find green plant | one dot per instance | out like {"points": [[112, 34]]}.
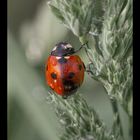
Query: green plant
{"points": [[106, 29]]}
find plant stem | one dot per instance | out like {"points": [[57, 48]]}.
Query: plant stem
{"points": [[96, 37], [117, 116], [87, 52], [83, 40]]}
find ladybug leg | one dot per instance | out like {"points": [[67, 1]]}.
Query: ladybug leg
{"points": [[84, 66], [89, 68], [81, 47], [50, 90]]}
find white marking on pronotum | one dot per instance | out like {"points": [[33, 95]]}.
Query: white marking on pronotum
{"points": [[58, 57], [55, 81], [67, 57], [68, 46], [65, 47], [54, 48]]}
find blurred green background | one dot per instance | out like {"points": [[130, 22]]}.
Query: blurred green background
{"points": [[32, 33]]}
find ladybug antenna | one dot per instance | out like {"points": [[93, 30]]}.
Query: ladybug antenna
{"points": [[80, 47]]}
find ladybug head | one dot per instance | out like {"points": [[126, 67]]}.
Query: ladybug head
{"points": [[62, 49]]}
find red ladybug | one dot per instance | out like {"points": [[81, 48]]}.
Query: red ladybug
{"points": [[64, 70]]}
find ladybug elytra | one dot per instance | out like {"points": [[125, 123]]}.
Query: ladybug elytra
{"points": [[64, 70]]}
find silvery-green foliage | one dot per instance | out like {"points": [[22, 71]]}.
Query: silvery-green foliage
{"points": [[77, 15], [79, 121], [106, 28], [114, 66]]}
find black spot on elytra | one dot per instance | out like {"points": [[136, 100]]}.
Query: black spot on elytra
{"points": [[80, 67], [62, 60], [53, 75], [71, 84], [71, 75], [69, 91]]}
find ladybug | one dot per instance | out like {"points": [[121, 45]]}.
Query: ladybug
{"points": [[64, 70]]}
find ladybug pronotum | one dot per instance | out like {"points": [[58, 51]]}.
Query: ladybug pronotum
{"points": [[64, 70]]}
